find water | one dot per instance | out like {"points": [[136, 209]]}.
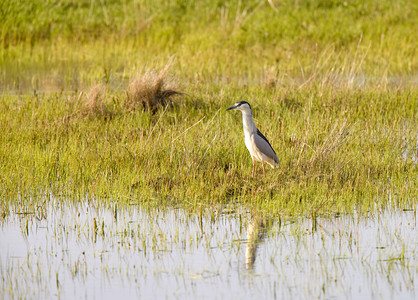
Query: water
{"points": [[77, 251]]}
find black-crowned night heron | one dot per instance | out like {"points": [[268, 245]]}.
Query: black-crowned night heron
{"points": [[257, 144]]}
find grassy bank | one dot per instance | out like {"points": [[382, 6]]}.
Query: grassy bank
{"points": [[339, 151], [332, 84]]}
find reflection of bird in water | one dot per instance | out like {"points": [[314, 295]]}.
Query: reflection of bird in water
{"points": [[255, 234]]}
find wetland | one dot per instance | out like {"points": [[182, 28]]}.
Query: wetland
{"points": [[121, 174]]}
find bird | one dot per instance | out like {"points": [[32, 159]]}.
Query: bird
{"points": [[257, 144]]}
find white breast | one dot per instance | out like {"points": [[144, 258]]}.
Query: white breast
{"points": [[250, 143]]}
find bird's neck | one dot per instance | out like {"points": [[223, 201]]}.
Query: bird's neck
{"points": [[248, 123]]}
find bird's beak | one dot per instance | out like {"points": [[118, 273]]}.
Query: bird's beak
{"points": [[232, 107]]}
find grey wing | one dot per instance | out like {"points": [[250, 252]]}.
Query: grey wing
{"points": [[264, 146]]}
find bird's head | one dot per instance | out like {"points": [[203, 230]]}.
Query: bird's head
{"points": [[242, 106]]}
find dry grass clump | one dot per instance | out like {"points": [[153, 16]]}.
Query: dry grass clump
{"points": [[271, 77], [94, 102], [150, 91]]}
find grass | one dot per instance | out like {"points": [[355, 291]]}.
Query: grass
{"points": [[93, 104], [148, 91], [338, 152], [332, 84], [220, 42]]}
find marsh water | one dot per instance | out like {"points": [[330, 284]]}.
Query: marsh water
{"points": [[89, 250]]}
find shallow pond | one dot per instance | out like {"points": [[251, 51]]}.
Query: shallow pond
{"points": [[87, 250]]}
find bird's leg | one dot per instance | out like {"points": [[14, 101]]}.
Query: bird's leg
{"points": [[264, 170], [252, 175]]}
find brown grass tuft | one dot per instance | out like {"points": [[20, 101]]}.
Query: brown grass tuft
{"points": [[271, 77], [94, 102], [150, 91]]}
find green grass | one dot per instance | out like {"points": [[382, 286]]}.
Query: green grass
{"points": [[332, 84], [224, 42], [195, 154]]}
